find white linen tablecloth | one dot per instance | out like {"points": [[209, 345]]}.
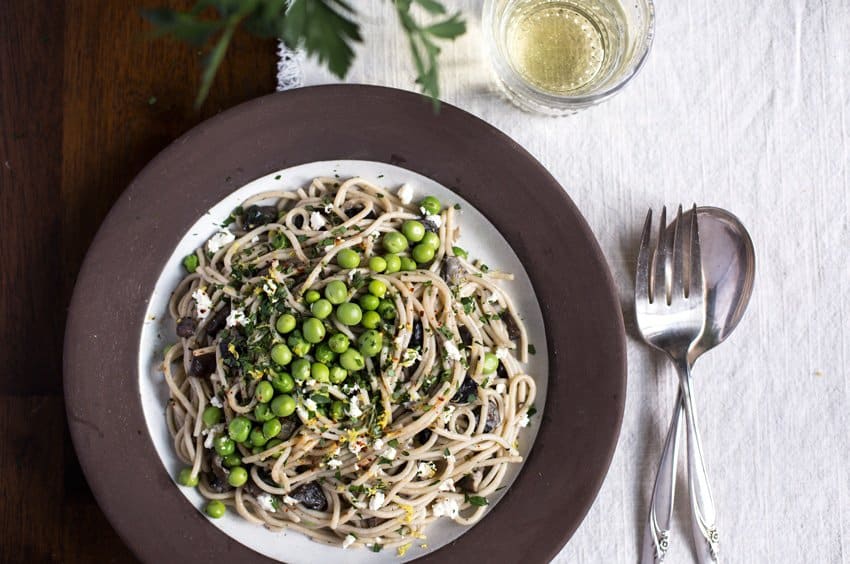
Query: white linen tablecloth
{"points": [[743, 105]]}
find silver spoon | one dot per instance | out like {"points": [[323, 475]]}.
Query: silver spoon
{"points": [[728, 261]]}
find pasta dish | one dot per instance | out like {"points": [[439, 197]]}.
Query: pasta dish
{"points": [[343, 368]]}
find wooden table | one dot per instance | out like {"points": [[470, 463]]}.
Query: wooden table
{"points": [[87, 101]]}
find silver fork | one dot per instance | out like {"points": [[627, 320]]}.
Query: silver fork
{"points": [[670, 311]]}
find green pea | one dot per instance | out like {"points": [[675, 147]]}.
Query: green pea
{"points": [[186, 478], [314, 330], [491, 363], [338, 374], [283, 405], [377, 288], [431, 205], [215, 509], [371, 319], [408, 264], [212, 415], [257, 449], [237, 477], [224, 445], [297, 344], [271, 444], [257, 437], [387, 310], [239, 428], [393, 263], [285, 323], [394, 242], [283, 382], [262, 412], [312, 296], [324, 353], [337, 410], [190, 262], [281, 354], [459, 252], [301, 369], [336, 292], [271, 428], [432, 240], [348, 258], [377, 264], [413, 230], [339, 343], [278, 240], [264, 392], [349, 313], [370, 343], [321, 308], [231, 461], [352, 360], [320, 372], [369, 302], [422, 253]]}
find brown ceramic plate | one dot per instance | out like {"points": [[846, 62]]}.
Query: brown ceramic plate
{"points": [[580, 312]]}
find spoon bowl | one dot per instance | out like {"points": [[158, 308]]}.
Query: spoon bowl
{"points": [[728, 266]]}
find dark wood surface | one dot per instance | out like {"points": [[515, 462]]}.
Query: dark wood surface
{"points": [[87, 101]]}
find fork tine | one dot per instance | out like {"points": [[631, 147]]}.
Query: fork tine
{"points": [[659, 279], [643, 261], [696, 282], [677, 289]]}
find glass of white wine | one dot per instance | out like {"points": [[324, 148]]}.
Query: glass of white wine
{"points": [[559, 56]]}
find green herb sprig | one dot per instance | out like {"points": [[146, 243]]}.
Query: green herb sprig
{"points": [[325, 29]]}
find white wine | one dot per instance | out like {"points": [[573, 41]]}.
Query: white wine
{"points": [[564, 46]]}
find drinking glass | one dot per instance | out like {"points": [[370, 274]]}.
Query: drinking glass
{"points": [[559, 56]]}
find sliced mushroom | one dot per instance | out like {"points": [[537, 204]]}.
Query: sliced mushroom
{"points": [[493, 416], [202, 365], [423, 436], [430, 225], [511, 326], [218, 321], [452, 271], [311, 496], [288, 426], [217, 465], [252, 488], [256, 216], [416, 337], [354, 209], [466, 484], [186, 327], [465, 335], [468, 388], [217, 485]]}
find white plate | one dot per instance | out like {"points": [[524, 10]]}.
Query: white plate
{"points": [[478, 236]]}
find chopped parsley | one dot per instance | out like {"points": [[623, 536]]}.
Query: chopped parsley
{"points": [[468, 304]]}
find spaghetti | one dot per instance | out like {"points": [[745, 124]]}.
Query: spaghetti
{"points": [[356, 418]]}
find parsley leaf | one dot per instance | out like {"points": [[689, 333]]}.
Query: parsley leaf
{"points": [[476, 500], [422, 43], [324, 29]]}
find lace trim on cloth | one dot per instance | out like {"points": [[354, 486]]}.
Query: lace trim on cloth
{"points": [[289, 73]]}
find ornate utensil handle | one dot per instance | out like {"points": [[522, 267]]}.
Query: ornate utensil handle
{"points": [[703, 513], [661, 504]]}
